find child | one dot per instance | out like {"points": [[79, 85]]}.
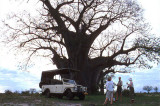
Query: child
{"points": [[109, 89], [131, 89]]}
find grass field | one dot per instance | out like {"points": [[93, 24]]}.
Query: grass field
{"points": [[91, 100]]}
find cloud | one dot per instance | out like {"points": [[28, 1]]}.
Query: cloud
{"points": [[13, 80], [149, 78], [152, 15], [3, 88]]}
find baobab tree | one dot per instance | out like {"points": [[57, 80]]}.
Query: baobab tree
{"points": [[93, 36]]}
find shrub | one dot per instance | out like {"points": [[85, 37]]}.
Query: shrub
{"points": [[125, 92], [16, 92], [8, 92], [25, 93]]}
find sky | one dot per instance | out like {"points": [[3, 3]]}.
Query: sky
{"points": [[11, 78]]}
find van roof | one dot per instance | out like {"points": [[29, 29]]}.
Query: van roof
{"points": [[46, 75], [59, 71]]}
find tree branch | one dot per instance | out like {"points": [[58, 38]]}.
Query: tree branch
{"points": [[64, 3], [101, 28]]}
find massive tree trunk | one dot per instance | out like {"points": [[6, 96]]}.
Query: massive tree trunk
{"points": [[102, 86], [89, 74]]}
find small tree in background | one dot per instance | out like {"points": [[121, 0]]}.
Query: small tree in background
{"points": [[25, 92], [147, 88], [8, 92], [156, 89]]}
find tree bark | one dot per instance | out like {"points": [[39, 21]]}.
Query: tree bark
{"points": [[102, 87]]}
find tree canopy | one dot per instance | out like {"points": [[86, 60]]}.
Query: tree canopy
{"points": [[94, 36]]}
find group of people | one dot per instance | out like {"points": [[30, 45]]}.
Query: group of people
{"points": [[110, 90]]}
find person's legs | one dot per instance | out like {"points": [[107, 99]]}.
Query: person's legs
{"points": [[116, 95], [120, 93], [105, 102], [121, 96], [111, 100], [119, 89], [107, 96], [111, 96], [131, 94]]}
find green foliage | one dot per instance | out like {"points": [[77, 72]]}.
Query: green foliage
{"points": [[16, 92], [8, 92], [125, 92], [25, 92]]}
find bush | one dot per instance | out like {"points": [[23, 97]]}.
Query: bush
{"points": [[16, 92], [125, 92], [25, 93], [8, 92]]}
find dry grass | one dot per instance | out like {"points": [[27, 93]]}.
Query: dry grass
{"points": [[91, 100]]}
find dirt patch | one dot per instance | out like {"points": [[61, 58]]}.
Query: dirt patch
{"points": [[26, 104], [68, 104], [13, 104], [26, 97], [23, 104]]}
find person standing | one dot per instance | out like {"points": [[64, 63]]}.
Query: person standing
{"points": [[109, 91], [131, 89], [119, 89]]}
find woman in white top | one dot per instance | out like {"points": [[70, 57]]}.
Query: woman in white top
{"points": [[109, 89]]}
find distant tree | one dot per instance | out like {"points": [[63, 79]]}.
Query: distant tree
{"points": [[16, 92], [93, 36], [147, 88], [8, 92], [25, 92], [156, 89]]}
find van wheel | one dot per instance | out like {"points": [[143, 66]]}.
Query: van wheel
{"points": [[47, 94], [81, 96], [69, 95]]}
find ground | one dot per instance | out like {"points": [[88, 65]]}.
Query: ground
{"points": [[91, 100]]}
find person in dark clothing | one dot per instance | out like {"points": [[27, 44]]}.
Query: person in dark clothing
{"points": [[131, 89], [119, 89]]}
